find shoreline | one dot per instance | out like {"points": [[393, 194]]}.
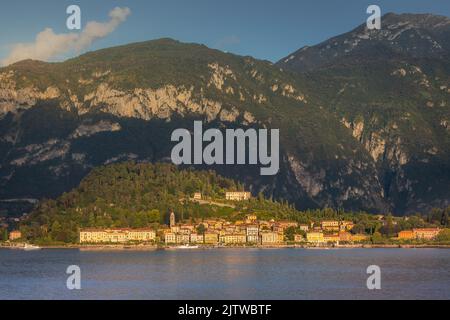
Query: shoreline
{"points": [[119, 247]]}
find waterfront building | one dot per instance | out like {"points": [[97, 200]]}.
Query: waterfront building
{"points": [[268, 238], [211, 238], [426, 233], [116, 235], [252, 232], [183, 238], [15, 235], [196, 238], [406, 235], [315, 237], [330, 225], [254, 239], [234, 238], [237, 196], [141, 235], [92, 236], [170, 238]]}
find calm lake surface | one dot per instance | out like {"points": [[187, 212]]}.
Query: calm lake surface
{"points": [[226, 274]]}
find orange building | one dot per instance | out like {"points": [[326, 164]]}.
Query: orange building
{"points": [[406, 235], [15, 235]]}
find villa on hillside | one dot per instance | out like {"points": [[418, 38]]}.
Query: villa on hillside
{"points": [[238, 196]]}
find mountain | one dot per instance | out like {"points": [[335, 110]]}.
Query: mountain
{"points": [[391, 88], [342, 145], [401, 36]]}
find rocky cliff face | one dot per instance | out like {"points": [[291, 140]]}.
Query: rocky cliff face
{"points": [[342, 145], [390, 89]]}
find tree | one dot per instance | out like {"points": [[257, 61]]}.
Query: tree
{"points": [[290, 233], [201, 229], [4, 234], [444, 218], [377, 237], [443, 236]]}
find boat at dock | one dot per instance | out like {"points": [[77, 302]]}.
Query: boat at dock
{"points": [[30, 247], [184, 247]]}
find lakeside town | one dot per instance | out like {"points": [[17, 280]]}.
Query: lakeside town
{"points": [[247, 232]]}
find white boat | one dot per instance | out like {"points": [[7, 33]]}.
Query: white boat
{"points": [[30, 247], [186, 246]]}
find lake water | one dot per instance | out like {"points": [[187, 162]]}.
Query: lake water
{"points": [[226, 274]]}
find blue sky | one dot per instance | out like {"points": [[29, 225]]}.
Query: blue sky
{"points": [[263, 29]]}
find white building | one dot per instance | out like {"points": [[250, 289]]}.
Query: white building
{"points": [[238, 196]]}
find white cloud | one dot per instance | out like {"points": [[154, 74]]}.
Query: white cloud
{"points": [[49, 45]]}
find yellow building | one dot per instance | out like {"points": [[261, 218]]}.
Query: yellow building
{"points": [[141, 235], [170, 238], [315, 237], [116, 235], [211, 238], [15, 235], [237, 196], [268, 238], [234, 238]]}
